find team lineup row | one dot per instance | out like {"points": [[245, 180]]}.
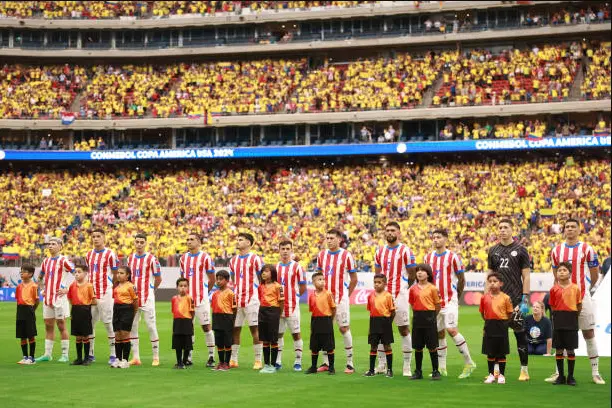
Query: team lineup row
{"points": [[119, 303]]}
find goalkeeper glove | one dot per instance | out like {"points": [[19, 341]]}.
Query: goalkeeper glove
{"points": [[524, 306]]}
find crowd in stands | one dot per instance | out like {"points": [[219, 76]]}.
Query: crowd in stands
{"points": [[513, 76], [594, 13], [149, 9], [302, 202], [597, 76]]}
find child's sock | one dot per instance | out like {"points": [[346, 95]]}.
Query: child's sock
{"points": [[571, 363], [86, 348], [127, 347], [491, 364], [502, 365], [389, 356], [332, 358], [228, 354], [118, 349], [418, 357], [24, 347], [314, 357], [179, 356], [266, 353], [372, 359], [221, 352], [274, 353], [32, 342], [79, 350], [433, 355], [185, 356], [559, 360]]}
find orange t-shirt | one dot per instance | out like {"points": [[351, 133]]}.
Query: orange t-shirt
{"points": [[423, 298], [27, 293], [565, 299], [81, 294], [380, 305], [223, 302], [124, 293], [496, 307], [271, 294], [182, 307], [321, 304]]}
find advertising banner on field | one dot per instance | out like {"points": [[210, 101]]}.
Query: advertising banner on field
{"points": [[601, 306]]}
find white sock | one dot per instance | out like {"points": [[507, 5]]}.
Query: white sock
{"points": [[92, 342], [49, 347], [442, 351], [524, 369], [235, 350], [348, 347], [281, 344], [210, 343], [325, 358], [135, 347], [382, 357], [298, 345], [111, 338], [155, 348], [593, 354], [463, 349], [65, 347], [407, 350], [496, 368], [258, 351]]}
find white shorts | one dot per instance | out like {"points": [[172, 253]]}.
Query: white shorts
{"points": [[586, 318], [402, 309], [292, 322], [249, 315], [202, 312], [448, 318], [59, 311], [103, 311], [343, 312], [147, 311]]}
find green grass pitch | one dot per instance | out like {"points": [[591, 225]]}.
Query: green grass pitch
{"points": [[59, 385]]}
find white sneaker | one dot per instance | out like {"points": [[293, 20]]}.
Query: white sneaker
{"points": [[28, 361], [552, 378], [490, 379], [598, 380], [124, 364], [116, 364], [407, 372], [501, 379]]}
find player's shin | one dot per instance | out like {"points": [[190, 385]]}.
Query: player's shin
{"points": [[92, 343], [49, 347], [210, 343], [348, 346], [522, 346], [279, 351], [442, 351], [592, 352], [462, 346], [298, 345], [65, 344], [111, 338], [135, 342], [407, 350]]}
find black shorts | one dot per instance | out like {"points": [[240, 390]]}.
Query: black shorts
{"points": [[80, 321], [182, 342], [223, 338], [381, 331], [425, 337], [222, 321], [269, 319], [182, 326], [322, 341], [565, 339], [123, 317], [496, 346], [25, 326]]}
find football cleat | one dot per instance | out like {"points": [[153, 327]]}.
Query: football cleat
{"points": [[233, 364], [435, 375], [369, 373], [468, 369], [77, 362], [323, 367], [571, 381], [311, 370], [257, 365], [418, 375], [210, 363], [598, 380], [112, 360], [63, 359], [561, 380], [349, 369], [524, 376], [277, 366], [135, 362], [389, 374], [44, 358], [155, 362], [297, 367], [24, 360]]}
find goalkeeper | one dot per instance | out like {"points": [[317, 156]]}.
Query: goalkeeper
{"points": [[511, 261]]}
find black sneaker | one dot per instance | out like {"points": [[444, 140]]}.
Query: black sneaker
{"points": [[188, 363], [561, 380], [77, 362], [369, 373], [435, 375], [332, 371], [177, 366], [311, 370], [86, 362], [418, 375], [571, 381], [389, 374], [210, 363]]}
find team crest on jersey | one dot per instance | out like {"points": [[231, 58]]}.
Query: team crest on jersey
{"points": [[191, 271], [50, 274], [514, 253], [283, 281], [436, 273], [241, 275], [96, 268], [137, 272], [330, 271]]}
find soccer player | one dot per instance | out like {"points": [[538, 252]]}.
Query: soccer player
{"points": [[585, 270], [146, 276], [102, 264], [396, 261], [495, 308], [511, 261], [198, 267], [382, 311], [337, 266], [55, 304], [448, 276], [244, 270], [292, 277], [565, 302], [323, 308], [26, 295]]}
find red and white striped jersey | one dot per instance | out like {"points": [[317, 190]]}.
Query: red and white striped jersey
{"points": [[197, 268], [290, 275], [445, 267], [144, 268], [244, 269], [100, 264], [53, 270], [393, 262], [336, 267], [582, 256]]}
